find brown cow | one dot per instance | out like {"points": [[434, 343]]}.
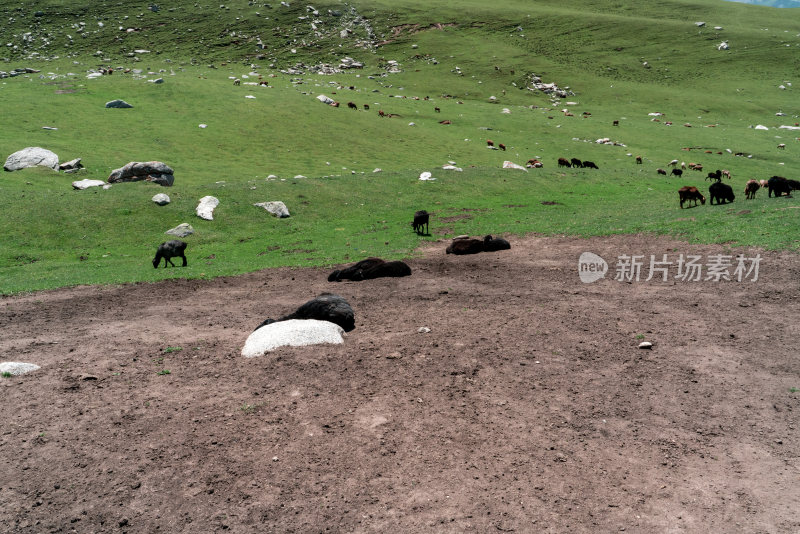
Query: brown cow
{"points": [[616, 123], [750, 189], [381, 113], [352, 105], [366, 107], [639, 160], [437, 110], [445, 122], [501, 146], [564, 162], [687, 193], [489, 142]]}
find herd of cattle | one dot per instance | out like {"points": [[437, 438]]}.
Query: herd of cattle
{"points": [[723, 193]]}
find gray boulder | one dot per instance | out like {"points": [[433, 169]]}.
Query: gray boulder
{"points": [[87, 183], [151, 171], [118, 104], [182, 230], [71, 165], [277, 208], [293, 332], [162, 199], [31, 157], [17, 368]]}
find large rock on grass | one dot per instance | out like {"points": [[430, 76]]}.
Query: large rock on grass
{"points": [[205, 208], [276, 207], [86, 183], [31, 157], [182, 230], [151, 171]]}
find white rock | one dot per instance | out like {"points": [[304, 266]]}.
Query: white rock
{"points": [[452, 168], [162, 199], [512, 165], [426, 176], [294, 332], [506, 111], [761, 127], [205, 209], [203, 125], [377, 169], [182, 230], [645, 345], [276, 207], [423, 330], [249, 96], [87, 183], [17, 368], [325, 99], [31, 156]]}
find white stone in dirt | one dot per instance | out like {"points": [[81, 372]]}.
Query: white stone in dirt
{"points": [[31, 156], [17, 368], [117, 104], [182, 230], [205, 209], [512, 165], [162, 199], [426, 176], [275, 207], [645, 345], [294, 332], [87, 183]]}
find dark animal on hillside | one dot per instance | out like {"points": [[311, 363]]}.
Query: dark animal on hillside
{"points": [[489, 142], [352, 105], [615, 123], [687, 193], [721, 193], [437, 110], [576, 162], [421, 219], [369, 269], [492, 244], [726, 173], [501, 146], [750, 189], [169, 250], [326, 307], [716, 175], [366, 107], [639, 160], [564, 162], [782, 145], [335, 104], [535, 163], [676, 172], [697, 167], [661, 171], [381, 113], [590, 165], [781, 185], [465, 246], [445, 122]]}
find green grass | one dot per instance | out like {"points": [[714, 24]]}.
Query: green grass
{"points": [[342, 211]]}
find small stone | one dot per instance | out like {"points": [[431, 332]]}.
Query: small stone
{"points": [[162, 199], [423, 330], [118, 103], [645, 345]]}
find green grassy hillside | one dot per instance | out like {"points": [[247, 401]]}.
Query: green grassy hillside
{"points": [[618, 62]]}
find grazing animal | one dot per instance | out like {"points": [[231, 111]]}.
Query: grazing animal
{"points": [[352, 105], [489, 142], [781, 185], [615, 123], [750, 189], [763, 183], [639, 160], [326, 307], [683, 165], [237, 81], [590, 165], [366, 107], [661, 171], [782, 145], [726, 173], [721, 193], [369, 269], [445, 122], [673, 163], [535, 163], [169, 250], [335, 104], [687, 193], [437, 110], [381, 113], [676, 172], [501, 146], [576, 162], [564, 162], [716, 175], [421, 219]]}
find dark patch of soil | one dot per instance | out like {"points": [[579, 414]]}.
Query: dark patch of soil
{"points": [[528, 406]]}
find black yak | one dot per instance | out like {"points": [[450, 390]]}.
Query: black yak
{"points": [[369, 269], [326, 307], [168, 250]]}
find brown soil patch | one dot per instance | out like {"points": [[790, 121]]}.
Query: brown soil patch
{"points": [[527, 408]]}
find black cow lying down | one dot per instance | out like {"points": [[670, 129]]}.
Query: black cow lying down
{"points": [[474, 246], [326, 307], [370, 268]]}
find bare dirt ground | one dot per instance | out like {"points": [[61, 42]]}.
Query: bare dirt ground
{"points": [[528, 407]]}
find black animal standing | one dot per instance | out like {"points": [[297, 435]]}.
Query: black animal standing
{"points": [[421, 219], [169, 250], [369, 269], [326, 307], [780, 185], [576, 163], [721, 192], [590, 165]]}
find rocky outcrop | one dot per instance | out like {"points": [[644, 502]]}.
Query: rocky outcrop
{"points": [[277, 208], [71, 165], [31, 157], [151, 171]]}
